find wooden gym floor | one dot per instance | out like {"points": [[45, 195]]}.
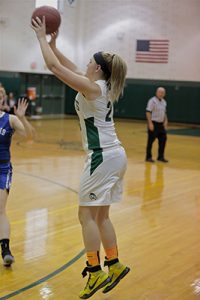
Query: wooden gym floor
{"points": [[157, 224]]}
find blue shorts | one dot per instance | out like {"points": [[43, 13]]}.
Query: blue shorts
{"points": [[5, 176]]}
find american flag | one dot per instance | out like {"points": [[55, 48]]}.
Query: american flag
{"points": [[152, 51]]}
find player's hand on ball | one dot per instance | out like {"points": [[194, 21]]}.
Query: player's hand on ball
{"points": [[52, 41], [21, 108], [39, 27]]}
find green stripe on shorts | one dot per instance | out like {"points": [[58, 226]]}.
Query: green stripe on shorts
{"points": [[97, 159], [93, 143]]}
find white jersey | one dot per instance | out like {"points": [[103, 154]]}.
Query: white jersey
{"points": [[96, 120]]}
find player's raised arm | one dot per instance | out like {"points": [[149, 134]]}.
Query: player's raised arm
{"points": [[19, 122], [63, 59], [77, 82]]}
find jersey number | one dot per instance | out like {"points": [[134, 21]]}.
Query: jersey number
{"points": [[108, 117]]}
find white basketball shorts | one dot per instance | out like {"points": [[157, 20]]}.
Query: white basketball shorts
{"points": [[102, 179]]}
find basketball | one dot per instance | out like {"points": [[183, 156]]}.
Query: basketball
{"points": [[52, 17]]}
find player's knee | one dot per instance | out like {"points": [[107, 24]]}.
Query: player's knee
{"points": [[82, 216], [102, 218]]}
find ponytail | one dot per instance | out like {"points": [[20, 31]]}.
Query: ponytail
{"points": [[118, 70]]}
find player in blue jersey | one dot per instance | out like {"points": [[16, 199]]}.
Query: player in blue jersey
{"points": [[102, 179], [8, 125]]}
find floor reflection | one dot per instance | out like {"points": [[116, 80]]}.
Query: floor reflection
{"points": [[46, 292], [152, 192], [196, 287], [36, 233]]}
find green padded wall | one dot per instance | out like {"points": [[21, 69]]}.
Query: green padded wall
{"points": [[50, 91], [183, 100], [11, 81]]}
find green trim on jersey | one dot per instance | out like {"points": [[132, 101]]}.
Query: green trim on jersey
{"points": [[92, 134], [93, 143]]}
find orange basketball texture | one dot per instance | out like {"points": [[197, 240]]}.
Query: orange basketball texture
{"points": [[52, 17]]}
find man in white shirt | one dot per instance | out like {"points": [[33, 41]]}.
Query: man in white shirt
{"points": [[157, 123]]}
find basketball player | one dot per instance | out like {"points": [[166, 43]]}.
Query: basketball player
{"points": [[8, 125], [101, 181]]}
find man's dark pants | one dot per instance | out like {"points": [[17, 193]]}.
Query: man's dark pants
{"points": [[159, 133]]}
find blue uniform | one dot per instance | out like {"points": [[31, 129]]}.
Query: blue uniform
{"points": [[6, 133]]}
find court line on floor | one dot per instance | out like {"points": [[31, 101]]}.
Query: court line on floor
{"points": [[59, 270], [48, 180], [47, 277]]}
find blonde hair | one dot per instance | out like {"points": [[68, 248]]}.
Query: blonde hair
{"points": [[3, 91], [118, 70]]}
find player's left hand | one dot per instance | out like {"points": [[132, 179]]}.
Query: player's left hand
{"points": [[52, 42], [21, 108], [39, 27]]}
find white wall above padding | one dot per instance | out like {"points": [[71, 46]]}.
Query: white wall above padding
{"points": [[111, 25]]}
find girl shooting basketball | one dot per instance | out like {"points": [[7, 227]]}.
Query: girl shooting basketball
{"points": [[8, 125], [101, 181]]}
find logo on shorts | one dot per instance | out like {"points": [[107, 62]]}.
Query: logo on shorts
{"points": [[93, 196]]}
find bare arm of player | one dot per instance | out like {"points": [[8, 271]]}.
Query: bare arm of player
{"points": [[63, 59], [77, 82], [149, 121], [19, 122]]}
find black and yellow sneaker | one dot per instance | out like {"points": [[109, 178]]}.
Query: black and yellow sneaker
{"points": [[116, 272], [97, 280], [8, 258]]}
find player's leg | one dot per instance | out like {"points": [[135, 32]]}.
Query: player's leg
{"points": [[116, 270], [5, 230], [91, 237]]}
